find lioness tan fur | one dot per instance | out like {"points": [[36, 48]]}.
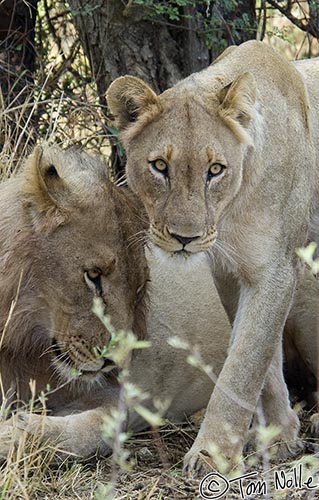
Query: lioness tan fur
{"points": [[227, 162]]}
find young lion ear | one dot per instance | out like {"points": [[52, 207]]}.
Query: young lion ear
{"points": [[237, 105], [128, 98], [44, 187]]}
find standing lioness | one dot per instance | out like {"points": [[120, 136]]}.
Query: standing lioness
{"points": [[225, 162]]}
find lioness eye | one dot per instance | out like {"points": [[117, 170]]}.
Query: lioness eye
{"points": [[215, 170], [93, 280], [160, 166]]}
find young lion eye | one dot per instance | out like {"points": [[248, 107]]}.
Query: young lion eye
{"points": [[93, 279], [94, 274], [160, 166], [215, 170]]}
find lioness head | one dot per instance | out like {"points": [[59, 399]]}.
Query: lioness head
{"points": [[185, 152], [72, 242]]}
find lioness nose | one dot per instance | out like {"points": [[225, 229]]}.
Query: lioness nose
{"points": [[184, 240]]}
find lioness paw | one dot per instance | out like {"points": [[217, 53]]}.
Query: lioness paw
{"points": [[10, 436], [197, 464], [29, 422], [288, 444], [77, 435], [206, 456], [287, 449]]}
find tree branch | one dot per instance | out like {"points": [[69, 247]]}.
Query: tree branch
{"points": [[309, 27]]}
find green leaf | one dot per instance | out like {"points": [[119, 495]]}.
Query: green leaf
{"points": [[306, 254], [151, 418], [178, 343], [75, 373]]}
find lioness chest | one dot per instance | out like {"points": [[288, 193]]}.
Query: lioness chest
{"points": [[183, 303]]}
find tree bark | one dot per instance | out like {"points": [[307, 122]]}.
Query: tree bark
{"points": [[17, 53], [124, 39], [17, 62], [121, 40]]}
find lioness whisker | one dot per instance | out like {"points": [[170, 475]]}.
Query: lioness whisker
{"points": [[224, 252], [62, 356], [142, 219], [48, 350], [141, 240]]}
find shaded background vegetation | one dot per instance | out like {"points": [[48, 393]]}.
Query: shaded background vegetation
{"points": [[58, 58]]}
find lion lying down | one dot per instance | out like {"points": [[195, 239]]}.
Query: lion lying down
{"points": [[66, 235]]}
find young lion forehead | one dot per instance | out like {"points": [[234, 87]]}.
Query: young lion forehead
{"points": [[74, 163]]}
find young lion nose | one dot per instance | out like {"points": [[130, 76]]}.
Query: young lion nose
{"points": [[184, 240]]}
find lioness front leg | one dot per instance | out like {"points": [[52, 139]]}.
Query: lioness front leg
{"points": [[262, 311], [276, 410], [79, 434], [274, 402]]}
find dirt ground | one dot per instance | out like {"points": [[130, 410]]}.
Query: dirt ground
{"points": [[156, 473]]}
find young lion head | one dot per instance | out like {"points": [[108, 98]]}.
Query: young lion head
{"points": [[64, 239]]}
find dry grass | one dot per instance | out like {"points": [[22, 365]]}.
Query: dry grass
{"points": [[157, 474], [61, 119], [31, 473]]}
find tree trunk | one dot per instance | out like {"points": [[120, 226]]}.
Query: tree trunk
{"points": [[121, 40], [17, 61], [17, 23]]}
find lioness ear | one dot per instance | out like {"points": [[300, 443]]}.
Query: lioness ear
{"points": [[45, 188], [237, 106], [128, 98]]}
